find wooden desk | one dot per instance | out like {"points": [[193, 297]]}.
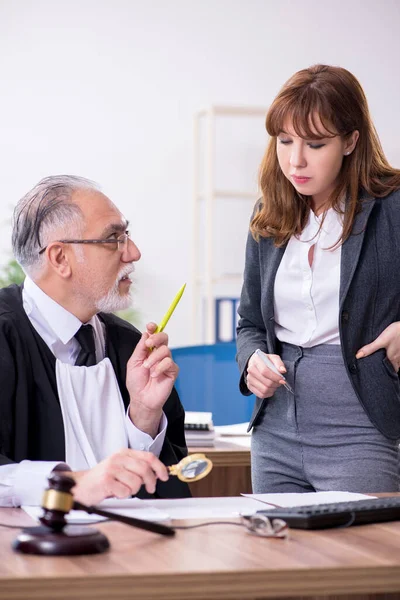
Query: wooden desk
{"points": [[221, 561], [231, 471]]}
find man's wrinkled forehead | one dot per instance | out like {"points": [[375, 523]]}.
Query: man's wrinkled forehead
{"points": [[99, 212]]}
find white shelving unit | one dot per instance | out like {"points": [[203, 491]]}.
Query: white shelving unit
{"points": [[206, 195]]}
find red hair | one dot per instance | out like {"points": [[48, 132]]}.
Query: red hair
{"points": [[331, 97]]}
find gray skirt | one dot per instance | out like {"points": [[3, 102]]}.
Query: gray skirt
{"points": [[321, 438]]}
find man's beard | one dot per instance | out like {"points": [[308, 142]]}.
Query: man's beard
{"points": [[114, 300]]}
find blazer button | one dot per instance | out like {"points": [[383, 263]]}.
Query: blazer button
{"points": [[345, 316], [353, 368]]}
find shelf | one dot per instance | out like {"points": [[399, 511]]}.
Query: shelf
{"points": [[206, 196]]}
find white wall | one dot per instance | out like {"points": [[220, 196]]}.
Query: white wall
{"points": [[107, 89]]}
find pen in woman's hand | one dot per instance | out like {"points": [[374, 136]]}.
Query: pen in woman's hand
{"points": [[268, 362]]}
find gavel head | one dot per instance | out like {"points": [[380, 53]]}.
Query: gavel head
{"points": [[57, 501], [54, 538]]}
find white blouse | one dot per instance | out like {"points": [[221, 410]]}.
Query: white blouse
{"points": [[306, 298]]}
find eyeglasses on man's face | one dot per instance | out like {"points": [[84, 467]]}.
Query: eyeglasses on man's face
{"points": [[119, 242]]}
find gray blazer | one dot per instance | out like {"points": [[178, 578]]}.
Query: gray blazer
{"points": [[369, 301]]}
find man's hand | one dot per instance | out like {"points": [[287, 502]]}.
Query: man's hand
{"points": [[388, 339], [260, 379], [120, 475], [150, 376]]}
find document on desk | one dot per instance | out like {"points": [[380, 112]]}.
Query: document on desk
{"points": [[298, 499], [205, 508], [163, 510], [202, 508], [129, 507]]}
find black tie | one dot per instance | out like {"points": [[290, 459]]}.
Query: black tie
{"points": [[87, 354]]}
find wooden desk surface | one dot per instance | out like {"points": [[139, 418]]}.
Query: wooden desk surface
{"points": [[231, 470], [225, 453], [220, 561]]}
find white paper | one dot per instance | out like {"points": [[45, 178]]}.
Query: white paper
{"points": [[160, 510], [298, 499], [75, 516], [198, 418], [129, 507], [205, 508], [237, 429], [244, 441]]}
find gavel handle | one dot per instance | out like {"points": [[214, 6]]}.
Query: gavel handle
{"points": [[140, 523]]}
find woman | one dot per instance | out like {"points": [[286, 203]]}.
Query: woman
{"points": [[321, 295]]}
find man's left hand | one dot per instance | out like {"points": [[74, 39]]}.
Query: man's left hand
{"points": [[388, 339], [150, 376]]}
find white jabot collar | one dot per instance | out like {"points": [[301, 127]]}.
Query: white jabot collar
{"points": [[93, 413]]}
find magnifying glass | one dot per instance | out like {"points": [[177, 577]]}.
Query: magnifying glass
{"points": [[192, 467]]}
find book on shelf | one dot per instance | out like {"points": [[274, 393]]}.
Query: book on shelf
{"points": [[199, 429]]}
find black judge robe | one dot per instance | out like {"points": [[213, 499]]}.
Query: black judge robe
{"points": [[31, 424]]}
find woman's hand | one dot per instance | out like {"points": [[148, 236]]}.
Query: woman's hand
{"points": [[388, 339], [260, 379]]}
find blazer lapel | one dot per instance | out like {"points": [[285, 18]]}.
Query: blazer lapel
{"points": [[352, 247]]}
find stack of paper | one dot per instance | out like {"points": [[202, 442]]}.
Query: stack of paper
{"points": [[199, 429]]}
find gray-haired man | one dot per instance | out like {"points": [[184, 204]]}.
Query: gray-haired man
{"points": [[80, 391]]}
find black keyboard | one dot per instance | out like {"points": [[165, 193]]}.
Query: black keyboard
{"points": [[339, 514]]}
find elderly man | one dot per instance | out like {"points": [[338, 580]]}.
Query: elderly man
{"points": [[81, 390]]}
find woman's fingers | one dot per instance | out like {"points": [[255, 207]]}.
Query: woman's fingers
{"points": [[262, 380]]}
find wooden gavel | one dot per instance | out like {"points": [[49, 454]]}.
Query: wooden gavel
{"points": [[56, 537], [58, 501]]}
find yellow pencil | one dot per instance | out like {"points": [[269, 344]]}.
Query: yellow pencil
{"points": [[171, 309]]}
